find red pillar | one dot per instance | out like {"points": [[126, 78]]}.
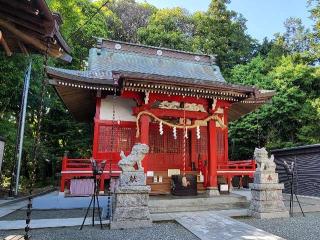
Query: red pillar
{"points": [[62, 183], [144, 136], [96, 128], [194, 157], [212, 159], [226, 146]]}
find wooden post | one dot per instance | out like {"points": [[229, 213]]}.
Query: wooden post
{"points": [[212, 187], [62, 183], [101, 185], [144, 136], [194, 157], [226, 146], [64, 168], [96, 128]]}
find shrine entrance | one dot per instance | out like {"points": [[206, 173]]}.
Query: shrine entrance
{"points": [[167, 151]]}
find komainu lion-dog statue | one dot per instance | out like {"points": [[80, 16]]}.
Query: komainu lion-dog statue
{"points": [[263, 161], [136, 156]]}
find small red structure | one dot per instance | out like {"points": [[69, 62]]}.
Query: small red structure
{"points": [[176, 102]]}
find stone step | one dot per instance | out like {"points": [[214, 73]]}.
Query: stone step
{"points": [[166, 204]]}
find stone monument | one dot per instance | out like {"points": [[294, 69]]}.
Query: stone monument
{"points": [[132, 196], [266, 190]]}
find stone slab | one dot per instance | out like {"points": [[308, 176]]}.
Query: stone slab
{"points": [[271, 195], [211, 192], [132, 199], [267, 186], [132, 178], [266, 177], [210, 225], [130, 224], [267, 206], [131, 213], [133, 190], [273, 214], [47, 223]]}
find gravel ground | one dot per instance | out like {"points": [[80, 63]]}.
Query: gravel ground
{"points": [[47, 214], [159, 231], [296, 228]]}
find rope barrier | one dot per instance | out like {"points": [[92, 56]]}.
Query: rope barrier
{"points": [[196, 123]]}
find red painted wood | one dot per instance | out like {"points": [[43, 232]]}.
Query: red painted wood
{"points": [[144, 129], [137, 96], [193, 147], [212, 150], [96, 128], [98, 107], [173, 113], [226, 144], [165, 97], [165, 151], [144, 137]]}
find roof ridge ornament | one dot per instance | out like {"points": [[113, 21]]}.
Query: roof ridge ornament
{"points": [[99, 46], [213, 59]]}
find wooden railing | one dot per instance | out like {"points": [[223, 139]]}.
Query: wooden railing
{"points": [[81, 167], [83, 164], [244, 165]]}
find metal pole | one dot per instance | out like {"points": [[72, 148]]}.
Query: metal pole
{"points": [[22, 121]]}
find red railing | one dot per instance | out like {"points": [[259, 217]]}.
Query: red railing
{"points": [[238, 166], [82, 168], [82, 164]]}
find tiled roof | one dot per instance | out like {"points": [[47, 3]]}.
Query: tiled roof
{"points": [[110, 60]]}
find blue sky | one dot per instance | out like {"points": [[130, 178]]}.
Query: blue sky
{"points": [[265, 17]]}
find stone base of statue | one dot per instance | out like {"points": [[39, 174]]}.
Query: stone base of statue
{"points": [[131, 202], [267, 201], [212, 192]]}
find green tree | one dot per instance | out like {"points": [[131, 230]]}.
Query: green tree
{"points": [[126, 17], [171, 28], [221, 31], [289, 119]]}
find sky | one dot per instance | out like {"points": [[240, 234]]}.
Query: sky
{"points": [[264, 17]]}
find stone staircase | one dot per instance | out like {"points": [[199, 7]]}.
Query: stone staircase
{"points": [[167, 204]]}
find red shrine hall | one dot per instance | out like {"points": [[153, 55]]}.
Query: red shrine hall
{"points": [[176, 102]]}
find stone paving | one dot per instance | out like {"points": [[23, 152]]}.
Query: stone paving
{"points": [[7, 209], [210, 225], [203, 224], [159, 231], [47, 223]]}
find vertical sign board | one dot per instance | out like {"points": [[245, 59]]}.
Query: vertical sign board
{"points": [[1, 151]]}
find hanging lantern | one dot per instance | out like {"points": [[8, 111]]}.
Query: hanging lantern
{"points": [[198, 132], [161, 128], [175, 133]]}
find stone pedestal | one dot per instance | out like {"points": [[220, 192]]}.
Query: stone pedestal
{"points": [[267, 201], [212, 191], [131, 202]]}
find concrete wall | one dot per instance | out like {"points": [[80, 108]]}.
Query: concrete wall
{"points": [[123, 109]]}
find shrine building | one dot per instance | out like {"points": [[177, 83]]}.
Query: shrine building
{"points": [[176, 102]]}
